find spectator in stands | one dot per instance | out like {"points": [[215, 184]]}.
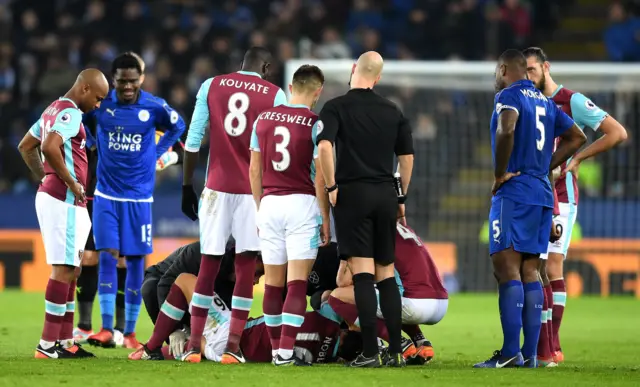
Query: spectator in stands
{"points": [[622, 35], [516, 23]]}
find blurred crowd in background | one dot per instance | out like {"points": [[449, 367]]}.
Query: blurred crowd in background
{"points": [[43, 44]]}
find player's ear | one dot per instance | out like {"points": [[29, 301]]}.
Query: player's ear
{"points": [[353, 69], [290, 89], [546, 66], [141, 79], [265, 69]]}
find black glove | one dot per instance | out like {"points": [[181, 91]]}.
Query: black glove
{"points": [[189, 202]]}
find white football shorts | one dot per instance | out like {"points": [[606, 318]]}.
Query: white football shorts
{"points": [[417, 311], [289, 228], [566, 219], [64, 229], [223, 214], [216, 329]]}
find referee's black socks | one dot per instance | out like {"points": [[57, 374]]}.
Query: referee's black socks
{"points": [[367, 305], [391, 307]]}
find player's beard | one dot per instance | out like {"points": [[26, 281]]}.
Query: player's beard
{"points": [[542, 83]]}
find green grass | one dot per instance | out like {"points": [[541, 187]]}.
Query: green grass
{"points": [[599, 336]]}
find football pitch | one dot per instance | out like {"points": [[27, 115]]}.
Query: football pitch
{"points": [[599, 335]]}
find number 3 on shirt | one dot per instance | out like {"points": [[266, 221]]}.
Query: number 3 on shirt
{"points": [[235, 122], [540, 112], [281, 147]]}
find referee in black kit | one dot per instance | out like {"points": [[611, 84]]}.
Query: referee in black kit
{"points": [[367, 130]]}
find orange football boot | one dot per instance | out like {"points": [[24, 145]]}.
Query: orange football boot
{"points": [[103, 339]]}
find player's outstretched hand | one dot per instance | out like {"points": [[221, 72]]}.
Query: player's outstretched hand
{"points": [[189, 202], [333, 197], [497, 182], [556, 232], [177, 343], [78, 192], [572, 167]]}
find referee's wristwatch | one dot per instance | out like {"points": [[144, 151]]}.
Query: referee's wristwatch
{"points": [[331, 189]]}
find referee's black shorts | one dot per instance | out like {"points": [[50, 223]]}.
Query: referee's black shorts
{"points": [[366, 215], [91, 244]]}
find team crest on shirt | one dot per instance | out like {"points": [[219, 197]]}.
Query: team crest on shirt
{"points": [[66, 118], [314, 278], [144, 115], [320, 127]]}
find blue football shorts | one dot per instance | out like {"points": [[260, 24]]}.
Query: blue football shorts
{"points": [[524, 227]]}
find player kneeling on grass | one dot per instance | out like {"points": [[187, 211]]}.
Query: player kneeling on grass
{"points": [[320, 339], [424, 297]]}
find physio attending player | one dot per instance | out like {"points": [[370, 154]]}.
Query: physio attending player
{"points": [[320, 339], [523, 128], [226, 106], [88, 280], [586, 114], [287, 195], [127, 159], [61, 204], [424, 297]]}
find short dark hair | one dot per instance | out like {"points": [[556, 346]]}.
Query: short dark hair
{"points": [[125, 61], [514, 57], [539, 53], [308, 77]]}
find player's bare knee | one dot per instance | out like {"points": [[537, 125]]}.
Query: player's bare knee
{"points": [[505, 266], [63, 273], [555, 266], [275, 275], [384, 272], [185, 281], [362, 265], [299, 270], [530, 272], [90, 258], [345, 294]]}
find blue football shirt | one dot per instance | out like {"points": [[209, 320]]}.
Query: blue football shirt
{"points": [[540, 121], [127, 150]]}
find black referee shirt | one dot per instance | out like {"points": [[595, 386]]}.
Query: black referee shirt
{"points": [[367, 129]]}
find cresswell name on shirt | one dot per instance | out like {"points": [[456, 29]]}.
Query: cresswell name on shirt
{"points": [[128, 142], [245, 85], [287, 118]]}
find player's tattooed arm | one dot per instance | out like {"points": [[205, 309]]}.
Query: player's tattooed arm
{"points": [[255, 177], [28, 148]]}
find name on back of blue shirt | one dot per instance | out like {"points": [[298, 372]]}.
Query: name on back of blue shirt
{"points": [[533, 94]]}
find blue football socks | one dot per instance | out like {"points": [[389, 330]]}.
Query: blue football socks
{"points": [[132, 294], [511, 302], [531, 318], [107, 288]]}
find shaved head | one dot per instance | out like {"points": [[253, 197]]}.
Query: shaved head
{"points": [[369, 65], [90, 88], [94, 78]]}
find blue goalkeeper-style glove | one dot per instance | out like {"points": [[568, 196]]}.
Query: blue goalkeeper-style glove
{"points": [[167, 159]]}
